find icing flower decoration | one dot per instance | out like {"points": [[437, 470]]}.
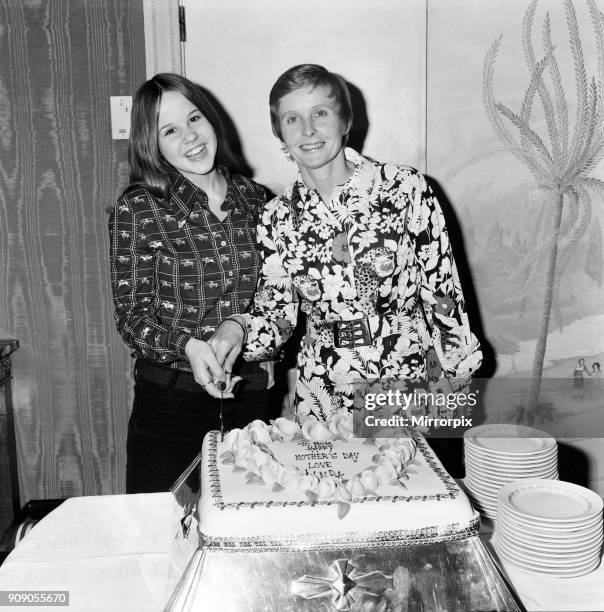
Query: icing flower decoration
{"points": [[407, 448], [341, 425], [242, 455], [288, 477], [258, 432], [307, 482], [392, 457], [326, 487], [342, 494], [270, 472], [356, 487], [385, 473], [236, 438], [256, 459], [285, 429], [249, 450], [313, 429], [369, 480]]}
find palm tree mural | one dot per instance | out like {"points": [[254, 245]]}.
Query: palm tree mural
{"points": [[561, 160]]}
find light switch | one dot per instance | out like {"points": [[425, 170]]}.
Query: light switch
{"points": [[120, 117]]}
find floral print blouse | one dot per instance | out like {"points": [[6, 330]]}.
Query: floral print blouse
{"points": [[379, 251]]}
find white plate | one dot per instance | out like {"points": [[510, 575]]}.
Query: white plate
{"points": [[500, 480], [478, 451], [507, 439], [484, 465], [561, 573], [568, 547], [570, 524], [591, 531], [488, 457], [490, 490], [554, 501], [554, 529], [570, 551], [482, 492], [549, 561], [485, 509]]}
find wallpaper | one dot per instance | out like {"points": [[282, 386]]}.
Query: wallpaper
{"points": [[59, 170], [516, 139]]}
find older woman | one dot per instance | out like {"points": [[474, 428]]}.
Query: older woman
{"points": [[361, 247]]}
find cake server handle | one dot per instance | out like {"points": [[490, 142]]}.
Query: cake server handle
{"points": [[221, 388]]}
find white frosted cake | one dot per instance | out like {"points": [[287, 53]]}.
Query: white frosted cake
{"points": [[282, 486]]}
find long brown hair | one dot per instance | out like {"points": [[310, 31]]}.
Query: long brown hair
{"points": [[147, 166]]}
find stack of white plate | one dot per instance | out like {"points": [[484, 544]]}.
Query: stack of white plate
{"points": [[549, 527], [498, 454]]}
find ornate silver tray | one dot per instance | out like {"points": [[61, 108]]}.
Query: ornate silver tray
{"points": [[442, 576]]}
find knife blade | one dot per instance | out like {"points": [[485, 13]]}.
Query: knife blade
{"points": [[221, 387]]}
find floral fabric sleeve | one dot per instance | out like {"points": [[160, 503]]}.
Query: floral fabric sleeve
{"points": [[272, 318], [450, 346], [134, 290]]}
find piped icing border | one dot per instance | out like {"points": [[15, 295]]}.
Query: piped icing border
{"points": [[219, 503], [347, 540]]}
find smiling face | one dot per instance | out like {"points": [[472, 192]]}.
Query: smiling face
{"points": [[311, 127], [186, 139]]}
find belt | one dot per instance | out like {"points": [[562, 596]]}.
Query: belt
{"points": [[254, 377], [163, 376], [342, 334]]}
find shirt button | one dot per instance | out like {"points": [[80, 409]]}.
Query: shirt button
{"points": [[223, 243]]}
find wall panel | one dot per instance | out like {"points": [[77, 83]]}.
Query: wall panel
{"points": [[59, 170]]}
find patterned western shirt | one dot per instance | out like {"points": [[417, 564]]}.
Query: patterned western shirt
{"points": [[378, 250], [176, 270]]}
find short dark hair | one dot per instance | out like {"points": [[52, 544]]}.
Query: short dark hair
{"points": [[312, 75], [147, 166]]}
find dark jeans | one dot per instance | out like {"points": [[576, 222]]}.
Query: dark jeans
{"points": [[167, 427]]}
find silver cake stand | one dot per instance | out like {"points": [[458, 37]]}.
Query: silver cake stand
{"points": [[435, 576]]}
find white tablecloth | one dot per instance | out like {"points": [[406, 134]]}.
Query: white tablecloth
{"points": [[550, 594], [112, 554]]}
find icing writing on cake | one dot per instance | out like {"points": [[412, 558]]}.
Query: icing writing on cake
{"points": [[313, 468], [317, 458]]}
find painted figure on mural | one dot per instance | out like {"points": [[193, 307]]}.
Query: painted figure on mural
{"points": [[596, 375], [361, 248], [183, 259], [579, 372]]}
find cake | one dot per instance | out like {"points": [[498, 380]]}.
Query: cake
{"points": [[282, 486]]}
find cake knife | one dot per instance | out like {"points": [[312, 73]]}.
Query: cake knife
{"points": [[221, 387]]}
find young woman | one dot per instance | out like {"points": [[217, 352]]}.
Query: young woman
{"points": [[362, 248], [183, 259]]}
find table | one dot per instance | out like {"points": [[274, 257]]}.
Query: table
{"points": [[113, 554]]}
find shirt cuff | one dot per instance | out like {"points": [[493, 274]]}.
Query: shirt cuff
{"points": [[176, 343]]}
